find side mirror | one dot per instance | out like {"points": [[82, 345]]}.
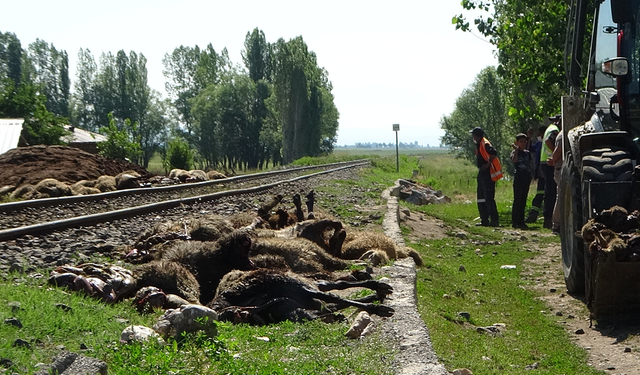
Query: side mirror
{"points": [[616, 67], [621, 11]]}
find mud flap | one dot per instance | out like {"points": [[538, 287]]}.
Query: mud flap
{"points": [[613, 290]]}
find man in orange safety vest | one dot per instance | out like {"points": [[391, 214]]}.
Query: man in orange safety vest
{"points": [[489, 171]]}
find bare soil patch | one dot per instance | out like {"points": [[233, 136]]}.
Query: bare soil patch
{"points": [[423, 226], [30, 165], [612, 347]]}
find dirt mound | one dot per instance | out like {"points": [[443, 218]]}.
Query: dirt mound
{"points": [[29, 165]]}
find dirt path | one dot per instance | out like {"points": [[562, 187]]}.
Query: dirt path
{"points": [[614, 349]]}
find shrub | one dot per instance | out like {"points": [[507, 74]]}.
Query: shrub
{"points": [[179, 155]]}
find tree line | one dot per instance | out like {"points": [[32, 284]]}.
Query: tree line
{"points": [[276, 107], [526, 86]]}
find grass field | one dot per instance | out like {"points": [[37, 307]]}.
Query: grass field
{"points": [[486, 292]]}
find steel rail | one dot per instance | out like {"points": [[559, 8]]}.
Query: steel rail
{"points": [[13, 233]]}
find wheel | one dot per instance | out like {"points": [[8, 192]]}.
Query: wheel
{"points": [[606, 165], [570, 205]]}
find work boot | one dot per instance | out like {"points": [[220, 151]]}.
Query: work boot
{"points": [[547, 223], [533, 216]]}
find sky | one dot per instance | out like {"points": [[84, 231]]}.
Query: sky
{"points": [[390, 62]]}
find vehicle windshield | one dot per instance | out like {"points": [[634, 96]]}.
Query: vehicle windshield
{"points": [[630, 48]]}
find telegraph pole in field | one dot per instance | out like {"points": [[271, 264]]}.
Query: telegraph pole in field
{"points": [[396, 128]]}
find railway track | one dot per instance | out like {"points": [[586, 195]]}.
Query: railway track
{"points": [[28, 218]]}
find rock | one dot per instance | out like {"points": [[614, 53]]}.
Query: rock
{"points": [[462, 371], [67, 363], [138, 334], [14, 322], [533, 366], [188, 318], [5, 362], [63, 307], [15, 306], [579, 331], [21, 343], [464, 315], [361, 322]]}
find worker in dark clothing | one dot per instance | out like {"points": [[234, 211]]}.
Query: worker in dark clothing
{"points": [[538, 199], [489, 171], [523, 164]]}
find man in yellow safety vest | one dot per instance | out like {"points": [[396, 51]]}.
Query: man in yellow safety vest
{"points": [[489, 171]]}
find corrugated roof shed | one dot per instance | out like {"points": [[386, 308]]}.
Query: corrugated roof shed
{"points": [[81, 136], [10, 129]]}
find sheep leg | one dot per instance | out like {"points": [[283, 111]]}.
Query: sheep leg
{"points": [[310, 201], [341, 303], [382, 289], [336, 241], [298, 203]]}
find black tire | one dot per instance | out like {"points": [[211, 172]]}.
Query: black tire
{"points": [[603, 165], [570, 205]]}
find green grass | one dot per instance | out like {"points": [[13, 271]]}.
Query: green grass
{"points": [[155, 165], [286, 348], [488, 293]]}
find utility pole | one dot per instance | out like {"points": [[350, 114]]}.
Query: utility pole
{"points": [[396, 128]]}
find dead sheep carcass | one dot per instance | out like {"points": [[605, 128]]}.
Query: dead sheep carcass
{"points": [[215, 175], [197, 175], [263, 296], [85, 187], [151, 243], [108, 282], [208, 262], [299, 254], [49, 188], [106, 183], [366, 244], [127, 180]]}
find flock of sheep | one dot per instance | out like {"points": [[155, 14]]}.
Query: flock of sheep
{"points": [[257, 268], [52, 188]]}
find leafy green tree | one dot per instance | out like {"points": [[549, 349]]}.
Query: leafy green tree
{"points": [[257, 58], [21, 98], [178, 155], [41, 127], [105, 99], [51, 74], [153, 131], [299, 86], [83, 99], [482, 104], [530, 39], [120, 144], [256, 55], [188, 71]]}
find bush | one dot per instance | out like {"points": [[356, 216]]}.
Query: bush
{"points": [[179, 155], [120, 144]]}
